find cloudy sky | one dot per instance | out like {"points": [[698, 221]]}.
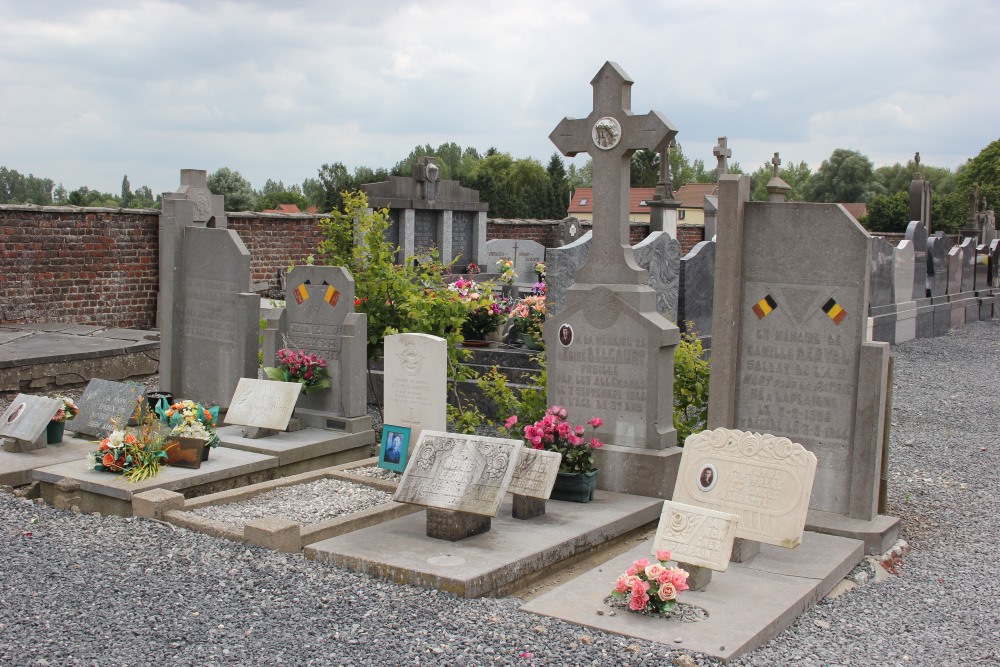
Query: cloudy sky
{"points": [[93, 90]]}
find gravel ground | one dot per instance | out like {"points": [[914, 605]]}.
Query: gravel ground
{"points": [[314, 502], [90, 590]]}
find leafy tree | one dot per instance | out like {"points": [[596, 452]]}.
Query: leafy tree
{"points": [[86, 197], [645, 169], [846, 177], [984, 170], [16, 188], [897, 177], [582, 177], [143, 197], [888, 213], [237, 190], [315, 194], [796, 175], [60, 195], [336, 180], [126, 198], [271, 200], [558, 199]]}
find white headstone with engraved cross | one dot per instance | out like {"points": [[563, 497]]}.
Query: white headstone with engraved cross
{"points": [[416, 377]]}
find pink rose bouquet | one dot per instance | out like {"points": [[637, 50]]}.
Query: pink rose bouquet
{"points": [[553, 433], [651, 588]]}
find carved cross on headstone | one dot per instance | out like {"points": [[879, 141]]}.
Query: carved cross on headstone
{"points": [[610, 134], [776, 161], [722, 153]]}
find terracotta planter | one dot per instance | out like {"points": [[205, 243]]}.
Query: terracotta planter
{"points": [[576, 487], [186, 452]]}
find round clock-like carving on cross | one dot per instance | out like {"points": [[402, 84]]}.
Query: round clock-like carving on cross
{"points": [[607, 133]]}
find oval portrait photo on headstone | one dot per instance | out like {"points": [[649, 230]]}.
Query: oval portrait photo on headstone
{"points": [[565, 335], [15, 413], [707, 477]]}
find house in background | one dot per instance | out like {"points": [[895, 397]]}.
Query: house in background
{"points": [[581, 206]]}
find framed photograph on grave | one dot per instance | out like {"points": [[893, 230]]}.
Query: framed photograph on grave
{"points": [[395, 447]]}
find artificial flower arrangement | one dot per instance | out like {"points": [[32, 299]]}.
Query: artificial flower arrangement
{"points": [[529, 315], [136, 452], [505, 268], [486, 314], [651, 588], [68, 410], [539, 288], [540, 269], [309, 370], [188, 419], [554, 433], [472, 268]]}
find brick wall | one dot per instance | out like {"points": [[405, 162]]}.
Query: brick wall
{"points": [[545, 232], [89, 266], [275, 241]]}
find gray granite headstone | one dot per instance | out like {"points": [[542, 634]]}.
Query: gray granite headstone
{"points": [[937, 265], [525, 253], [789, 355], [561, 265], [216, 322], [320, 319], [660, 255], [968, 264], [570, 229], [883, 273], [696, 289], [26, 419], [102, 402], [982, 272], [955, 267], [609, 351], [916, 234], [994, 263]]}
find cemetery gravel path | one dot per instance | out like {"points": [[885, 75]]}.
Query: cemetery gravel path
{"points": [[91, 590]]}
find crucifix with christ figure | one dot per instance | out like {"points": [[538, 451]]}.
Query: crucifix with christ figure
{"points": [[610, 135]]}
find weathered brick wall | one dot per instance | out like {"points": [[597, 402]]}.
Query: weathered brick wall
{"points": [[545, 232], [689, 236], [89, 266], [275, 241]]}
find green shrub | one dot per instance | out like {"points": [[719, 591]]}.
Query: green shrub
{"points": [[691, 371]]}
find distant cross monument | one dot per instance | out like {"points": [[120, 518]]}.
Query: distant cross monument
{"points": [[722, 154], [777, 188], [610, 135], [776, 161], [663, 207]]}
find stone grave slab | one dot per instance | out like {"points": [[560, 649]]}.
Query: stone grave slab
{"points": [[102, 401], [136, 335], [561, 265], [778, 585], [16, 468], [26, 419], [535, 473], [263, 403], [764, 479], [696, 535], [9, 335], [460, 473], [694, 304], [57, 347], [415, 382], [109, 493], [303, 450], [493, 563], [660, 255]]}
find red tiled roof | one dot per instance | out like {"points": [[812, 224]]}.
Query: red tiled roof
{"points": [[692, 195], [857, 211], [637, 200], [284, 208]]}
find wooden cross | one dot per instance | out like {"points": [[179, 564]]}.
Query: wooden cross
{"points": [[610, 134], [776, 161], [722, 152]]}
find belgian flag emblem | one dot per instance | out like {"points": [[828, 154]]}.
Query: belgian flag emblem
{"points": [[301, 294], [834, 311], [332, 295], [764, 307]]}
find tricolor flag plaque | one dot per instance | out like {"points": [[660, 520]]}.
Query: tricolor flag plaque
{"points": [[764, 307], [834, 311]]}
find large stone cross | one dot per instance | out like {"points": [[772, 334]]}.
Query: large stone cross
{"points": [[610, 134], [776, 162], [722, 153]]}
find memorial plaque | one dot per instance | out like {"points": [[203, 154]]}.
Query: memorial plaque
{"points": [[416, 377], [523, 253], [102, 401], [695, 535], [263, 403], [763, 479], [463, 238], [425, 231], [462, 473], [535, 473], [27, 417]]}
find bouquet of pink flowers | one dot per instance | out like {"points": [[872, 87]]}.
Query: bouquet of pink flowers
{"points": [[651, 588], [308, 370], [554, 434]]}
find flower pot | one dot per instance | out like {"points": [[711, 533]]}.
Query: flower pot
{"points": [[576, 487], [204, 453], [532, 343], [476, 343], [153, 398], [54, 432], [185, 452]]}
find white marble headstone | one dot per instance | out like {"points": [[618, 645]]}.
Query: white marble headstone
{"points": [[764, 479], [263, 403], [696, 535], [535, 473], [416, 381]]}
